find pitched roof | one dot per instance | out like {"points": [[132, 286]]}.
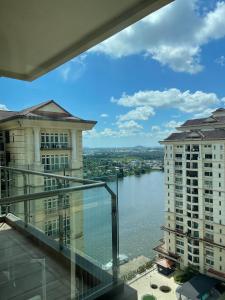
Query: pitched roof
{"points": [[34, 113], [197, 135], [197, 286], [205, 121]]}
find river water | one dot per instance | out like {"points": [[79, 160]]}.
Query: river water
{"points": [[141, 213]]}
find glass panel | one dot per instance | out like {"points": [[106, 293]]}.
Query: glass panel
{"points": [[64, 238]]}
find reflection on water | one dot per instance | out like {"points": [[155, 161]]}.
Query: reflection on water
{"points": [[141, 205]]}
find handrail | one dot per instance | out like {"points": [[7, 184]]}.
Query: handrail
{"points": [[71, 178], [34, 196]]}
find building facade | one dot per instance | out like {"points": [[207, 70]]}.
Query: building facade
{"points": [[48, 139], [194, 230]]}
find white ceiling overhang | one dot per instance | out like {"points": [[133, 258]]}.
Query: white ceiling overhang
{"points": [[37, 36]]}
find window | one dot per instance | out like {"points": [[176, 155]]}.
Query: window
{"points": [[208, 165], [208, 226], [209, 253], [52, 228], [7, 139], [180, 243], [54, 140], [208, 200], [50, 183], [51, 204], [208, 174], [209, 218], [208, 156], [55, 162], [209, 209], [209, 262], [208, 192]]}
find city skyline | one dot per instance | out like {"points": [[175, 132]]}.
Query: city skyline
{"points": [[143, 82]]}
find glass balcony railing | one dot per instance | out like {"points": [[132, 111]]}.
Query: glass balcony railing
{"points": [[61, 242], [55, 146]]}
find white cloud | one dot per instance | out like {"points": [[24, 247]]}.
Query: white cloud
{"points": [[124, 129], [74, 69], [3, 107], [130, 125], [174, 35], [173, 124], [104, 115], [220, 61], [173, 98], [206, 113], [140, 113]]}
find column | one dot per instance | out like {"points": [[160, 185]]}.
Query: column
{"points": [[74, 144], [36, 145]]}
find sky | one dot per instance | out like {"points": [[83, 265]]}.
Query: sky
{"points": [[143, 82]]}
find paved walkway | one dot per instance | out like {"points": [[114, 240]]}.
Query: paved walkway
{"points": [[142, 285]]}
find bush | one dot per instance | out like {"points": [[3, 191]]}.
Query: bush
{"points": [[130, 275], [148, 265], [148, 297], [183, 276], [141, 269]]}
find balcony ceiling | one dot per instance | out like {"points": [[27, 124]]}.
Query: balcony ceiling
{"points": [[38, 36]]}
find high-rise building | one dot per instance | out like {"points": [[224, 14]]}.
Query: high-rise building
{"points": [[194, 230], [45, 138]]}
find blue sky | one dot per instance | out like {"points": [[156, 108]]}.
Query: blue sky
{"points": [[143, 82]]}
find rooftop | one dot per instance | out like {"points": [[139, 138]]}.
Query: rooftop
{"points": [[217, 117], [197, 286], [215, 134], [48, 110]]}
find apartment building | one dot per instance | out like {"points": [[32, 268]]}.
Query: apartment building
{"points": [[45, 138], [194, 230]]}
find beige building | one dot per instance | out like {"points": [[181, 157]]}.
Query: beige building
{"points": [[194, 230], [45, 138]]}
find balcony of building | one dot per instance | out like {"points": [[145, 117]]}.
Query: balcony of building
{"points": [[175, 231], [55, 146], [162, 252], [44, 238]]}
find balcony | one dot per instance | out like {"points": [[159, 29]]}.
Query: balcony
{"points": [[47, 255], [161, 250], [175, 231], [55, 146]]}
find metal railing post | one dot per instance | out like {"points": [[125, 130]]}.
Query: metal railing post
{"points": [[25, 202], [60, 214], [115, 238]]}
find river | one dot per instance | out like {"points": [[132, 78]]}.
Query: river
{"points": [[141, 213]]}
